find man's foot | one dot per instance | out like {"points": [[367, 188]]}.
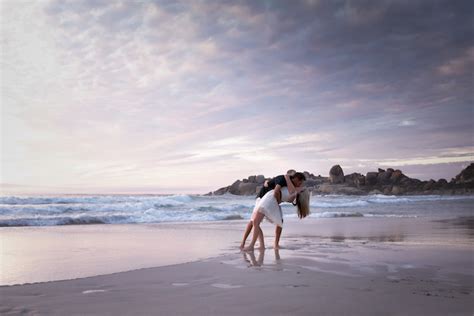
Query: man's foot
{"points": [[261, 247], [242, 246]]}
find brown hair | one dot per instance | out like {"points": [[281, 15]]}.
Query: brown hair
{"points": [[298, 175]]}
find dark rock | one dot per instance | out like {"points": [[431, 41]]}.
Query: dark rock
{"points": [[396, 190], [430, 185], [260, 179], [386, 182], [466, 175], [327, 188], [221, 191], [247, 188], [371, 178], [384, 177], [336, 175], [234, 188], [355, 179], [396, 176], [442, 182]]}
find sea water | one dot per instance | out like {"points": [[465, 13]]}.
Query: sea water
{"points": [[51, 210]]}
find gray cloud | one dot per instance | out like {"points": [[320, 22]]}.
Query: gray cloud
{"points": [[351, 61], [380, 79]]}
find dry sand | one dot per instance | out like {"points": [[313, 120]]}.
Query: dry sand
{"points": [[349, 266]]}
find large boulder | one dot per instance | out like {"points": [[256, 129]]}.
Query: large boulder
{"points": [[248, 188], [442, 183], [234, 187], [221, 191], [371, 178], [429, 185], [384, 177], [396, 176], [336, 175], [396, 190], [355, 179], [466, 176], [260, 179], [327, 188]]}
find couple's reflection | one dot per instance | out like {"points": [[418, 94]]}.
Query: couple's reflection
{"points": [[250, 258]]}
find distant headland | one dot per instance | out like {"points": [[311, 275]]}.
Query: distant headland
{"points": [[389, 182]]}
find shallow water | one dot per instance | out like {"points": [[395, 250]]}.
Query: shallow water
{"points": [[37, 254]]}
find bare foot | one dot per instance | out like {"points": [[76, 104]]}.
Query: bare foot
{"points": [[262, 247], [248, 249], [242, 246]]}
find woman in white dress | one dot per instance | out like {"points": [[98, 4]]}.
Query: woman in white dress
{"points": [[269, 208]]}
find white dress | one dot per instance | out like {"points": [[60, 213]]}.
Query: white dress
{"points": [[269, 206]]}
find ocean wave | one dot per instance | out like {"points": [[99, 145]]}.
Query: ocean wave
{"points": [[97, 199], [56, 221], [121, 209], [335, 203]]}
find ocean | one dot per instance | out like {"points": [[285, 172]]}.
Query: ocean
{"points": [[52, 210]]}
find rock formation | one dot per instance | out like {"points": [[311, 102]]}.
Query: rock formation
{"points": [[389, 181], [336, 175]]}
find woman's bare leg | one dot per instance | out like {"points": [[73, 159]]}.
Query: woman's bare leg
{"points": [[256, 231], [246, 234], [261, 240], [278, 230]]}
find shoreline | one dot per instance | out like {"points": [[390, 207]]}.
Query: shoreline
{"points": [[117, 248], [357, 266]]}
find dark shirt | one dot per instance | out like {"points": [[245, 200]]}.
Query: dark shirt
{"points": [[272, 184]]}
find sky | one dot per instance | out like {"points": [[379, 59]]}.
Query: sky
{"points": [[189, 96]]}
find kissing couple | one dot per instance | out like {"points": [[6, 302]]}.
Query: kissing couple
{"points": [[283, 188]]}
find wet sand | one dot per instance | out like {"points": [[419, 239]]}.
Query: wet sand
{"points": [[344, 266]]}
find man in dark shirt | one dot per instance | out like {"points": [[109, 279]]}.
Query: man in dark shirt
{"points": [[270, 185], [275, 184]]}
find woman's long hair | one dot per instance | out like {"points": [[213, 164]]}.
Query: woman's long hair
{"points": [[302, 203]]}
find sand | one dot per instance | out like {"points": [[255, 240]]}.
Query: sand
{"points": [[344, 266]]}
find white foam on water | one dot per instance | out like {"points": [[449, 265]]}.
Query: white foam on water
{"points": [[122, 209], [226, 286], [93, 291]]}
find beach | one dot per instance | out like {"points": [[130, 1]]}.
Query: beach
{"points": [[326, 266]]}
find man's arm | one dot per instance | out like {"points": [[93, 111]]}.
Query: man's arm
{"points": [[290, 185]]}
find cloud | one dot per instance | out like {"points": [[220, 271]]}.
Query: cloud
{"points": [[123, 92]]}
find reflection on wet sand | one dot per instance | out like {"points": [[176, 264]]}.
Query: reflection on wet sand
{"points": [[379, 238], [465, 223], [250, 258]]}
